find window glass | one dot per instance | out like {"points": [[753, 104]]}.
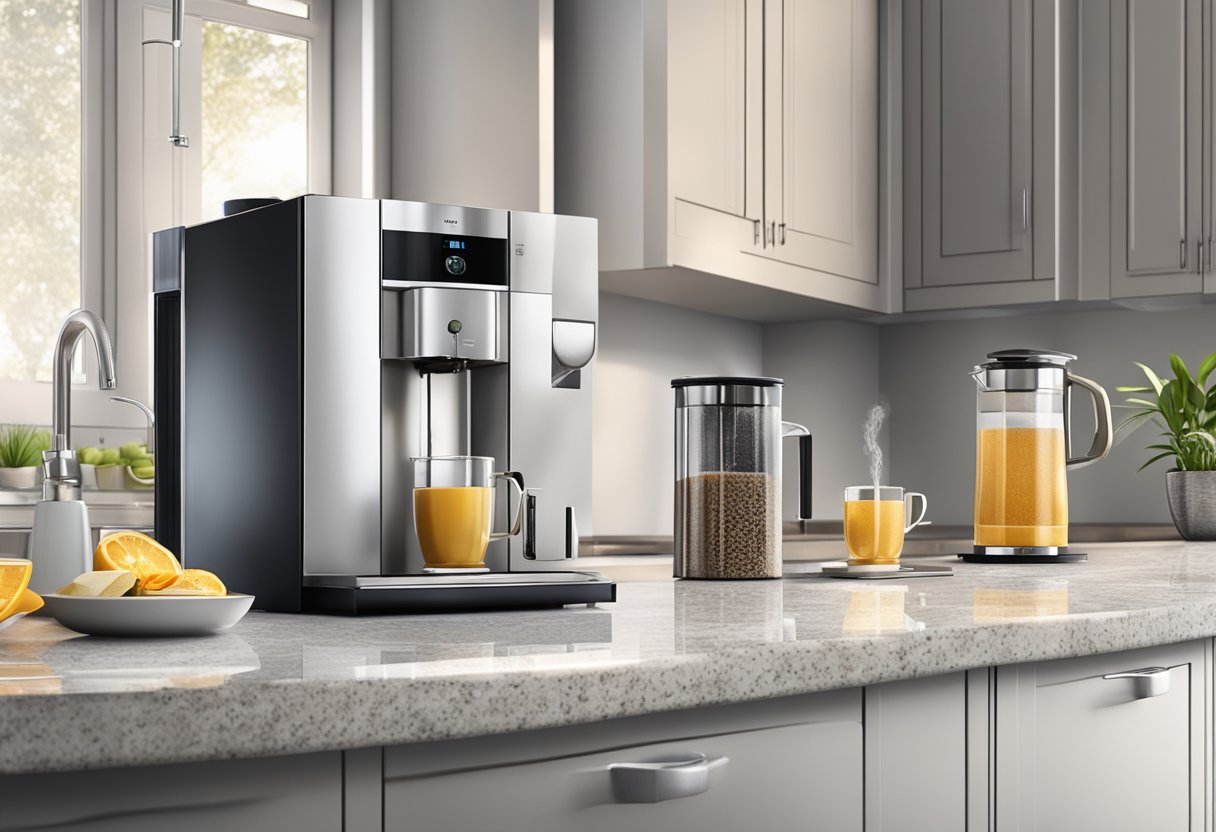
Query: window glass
{"points": [[255, 116], [40, 180]]}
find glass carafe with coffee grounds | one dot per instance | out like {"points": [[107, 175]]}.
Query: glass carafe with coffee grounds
{"points": [[728, 476]]}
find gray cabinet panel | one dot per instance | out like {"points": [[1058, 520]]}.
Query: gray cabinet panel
{"points": [[300, 793], [1076, 750], [977, 142], [793, 763], [1156, 118], [916, 755]]}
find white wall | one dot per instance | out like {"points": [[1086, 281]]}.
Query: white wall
{"points": [[924, 374], [831, 381], [642, 347]]}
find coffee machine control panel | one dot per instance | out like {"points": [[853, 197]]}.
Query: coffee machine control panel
{"points": [[419, 257]]}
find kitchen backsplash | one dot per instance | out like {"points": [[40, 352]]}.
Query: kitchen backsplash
{"points": [[831, 374], [924, 374], [834, 371]]}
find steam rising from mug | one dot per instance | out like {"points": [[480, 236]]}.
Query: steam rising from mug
{"points": [[877, 415]]}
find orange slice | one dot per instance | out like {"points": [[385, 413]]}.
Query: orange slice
{"points": [[158, 580], [15, 596], [135, 552], [189, 582]]}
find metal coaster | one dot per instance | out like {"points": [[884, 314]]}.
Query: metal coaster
{"points": [[902, 572], [1027, 554]]}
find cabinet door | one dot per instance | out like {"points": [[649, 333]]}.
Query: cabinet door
{"points": [[708, 106], [821, 142], [1078, 750], [806, 775], [976, 143], [917, 754], [1156, 119], [300, 793]]}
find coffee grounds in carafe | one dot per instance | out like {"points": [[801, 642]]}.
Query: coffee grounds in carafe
{"points": [[731, 525]]}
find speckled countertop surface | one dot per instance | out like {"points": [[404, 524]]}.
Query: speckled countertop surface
{"points": [[278, 684]]}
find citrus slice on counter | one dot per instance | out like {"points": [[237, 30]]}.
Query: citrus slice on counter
{"points": [[135, 552], [14, 583], [188, 582]]}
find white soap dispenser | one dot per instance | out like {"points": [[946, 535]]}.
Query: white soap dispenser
{"points": [[61, 544]]}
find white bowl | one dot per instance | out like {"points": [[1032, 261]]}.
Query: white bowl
{"points": [[148, 616]]}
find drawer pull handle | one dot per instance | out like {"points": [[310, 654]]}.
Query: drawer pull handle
{"points": [[1147, 681], [668, 778]]}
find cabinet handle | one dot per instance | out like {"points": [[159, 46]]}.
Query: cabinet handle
{"points": [[669, 778], [1207, 265], [1147, 681], [755, 232], [781, 233], [1025, 209], [1199, 267], [770, 232], [1182, 255]]}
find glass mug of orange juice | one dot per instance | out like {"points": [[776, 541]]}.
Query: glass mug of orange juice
{"points": [[454, 510], [874, 524]]}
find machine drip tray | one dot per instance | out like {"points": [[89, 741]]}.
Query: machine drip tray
{"points": [[447, 592]]}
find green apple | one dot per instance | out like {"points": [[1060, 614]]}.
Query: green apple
{"points": [[144, 472], [133, 450], [89, 456], [110, 456]]}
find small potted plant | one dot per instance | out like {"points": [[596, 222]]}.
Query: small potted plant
{"points": [[21, 448], [1184, 408]]}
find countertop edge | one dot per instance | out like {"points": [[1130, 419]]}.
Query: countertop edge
{"points": [[231, 721]]}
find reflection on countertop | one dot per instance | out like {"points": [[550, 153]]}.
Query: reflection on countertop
{"points": [[277, 684]]}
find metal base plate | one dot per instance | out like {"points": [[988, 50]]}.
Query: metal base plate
{"points": [[901, 572], [408, 594], [1022, 554]]}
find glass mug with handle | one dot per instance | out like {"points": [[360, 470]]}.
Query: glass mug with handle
{"points": [[874, 524], [454, 510]]}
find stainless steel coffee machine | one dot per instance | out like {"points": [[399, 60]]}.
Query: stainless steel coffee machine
{"points": [[306, 351]]}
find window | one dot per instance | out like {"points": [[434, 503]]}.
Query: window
{"points": [[255, 87], [254, 138], [40, 180], [86, 171]]}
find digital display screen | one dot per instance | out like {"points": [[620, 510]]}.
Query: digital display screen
{"points": [[442, 258]]}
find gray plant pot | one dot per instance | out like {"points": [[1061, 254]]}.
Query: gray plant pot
{"points": [[23, 479], [1192, 498]]}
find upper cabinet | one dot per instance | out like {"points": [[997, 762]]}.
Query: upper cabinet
{"points": [[821, 136], [730, 149], [1157, 138], [980, 184]]}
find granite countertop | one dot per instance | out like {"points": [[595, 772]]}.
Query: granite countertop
{"points": [[280, 684]]}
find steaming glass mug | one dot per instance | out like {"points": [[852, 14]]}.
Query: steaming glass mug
{"points": [[874, 521], [454, 510]]}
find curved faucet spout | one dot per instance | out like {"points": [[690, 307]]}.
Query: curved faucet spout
{"points": [[73, 329]]}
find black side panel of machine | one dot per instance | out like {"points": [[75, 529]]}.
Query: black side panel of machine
{"points": [[243, 387], [166, 402]]}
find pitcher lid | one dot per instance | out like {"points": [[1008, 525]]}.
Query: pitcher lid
{"points": [[725, 381], [1016, 358]]}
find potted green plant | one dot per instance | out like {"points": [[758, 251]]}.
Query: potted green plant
{"points": [[1184, 408], [21, 448]]}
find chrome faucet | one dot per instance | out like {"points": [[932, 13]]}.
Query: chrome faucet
{"points": [[62, 472]]}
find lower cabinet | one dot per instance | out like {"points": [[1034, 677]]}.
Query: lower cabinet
{"points": [[302, 793], [1117, 741], [777, 765], [917, 754]]}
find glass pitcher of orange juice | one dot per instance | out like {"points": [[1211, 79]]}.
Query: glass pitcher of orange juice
{"points": [[1023, 451]]}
